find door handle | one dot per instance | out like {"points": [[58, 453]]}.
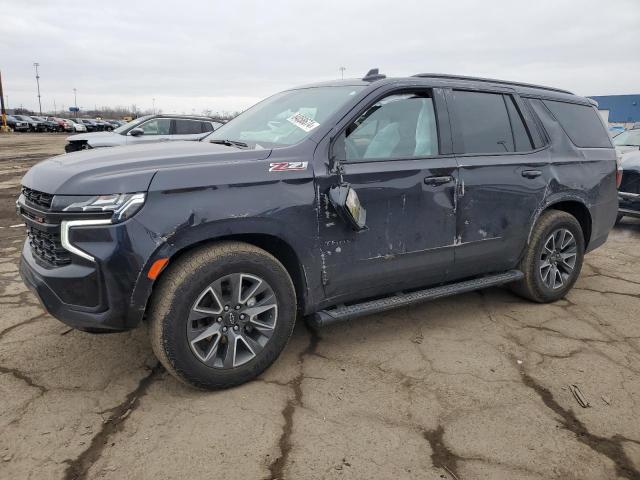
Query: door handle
{"points": [[438, 180], [531, 173]]}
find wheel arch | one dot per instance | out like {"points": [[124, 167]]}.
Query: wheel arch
{"points": [[574, 206], [282, 250]]}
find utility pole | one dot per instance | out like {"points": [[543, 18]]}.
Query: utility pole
{"points": [[55, 110], [75, 102], [154, 105], [3, 124], [342, 69], [36, 64]]}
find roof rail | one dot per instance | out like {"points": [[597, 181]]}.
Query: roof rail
{"points": [[373, 75], [490, 80]]}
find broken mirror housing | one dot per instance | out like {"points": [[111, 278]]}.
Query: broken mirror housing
{"points": [[346, 202]]}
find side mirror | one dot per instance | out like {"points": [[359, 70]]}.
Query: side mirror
{"points": [[136, 132], [346, 202]]}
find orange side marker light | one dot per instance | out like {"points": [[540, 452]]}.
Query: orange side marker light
{"points": [[157, 267]]}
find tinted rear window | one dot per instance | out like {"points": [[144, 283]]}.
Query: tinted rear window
{"points": [[581, 123], [490, 123], [188, 127]]}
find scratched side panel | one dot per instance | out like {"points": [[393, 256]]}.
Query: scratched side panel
{"points": [[198, 203]]}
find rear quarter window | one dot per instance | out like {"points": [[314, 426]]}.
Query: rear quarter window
{"points": [[581, 123]]}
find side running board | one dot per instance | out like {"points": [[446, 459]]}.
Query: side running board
{"points": [[346, 312]]}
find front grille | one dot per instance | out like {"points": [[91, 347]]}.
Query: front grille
{"points": [[47, 247], [37, 198]]}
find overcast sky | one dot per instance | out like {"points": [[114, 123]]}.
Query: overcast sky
{"points": [[226, 55]]}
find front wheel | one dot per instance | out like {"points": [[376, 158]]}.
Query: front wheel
{"points": [[553, 259], [222, 314]]}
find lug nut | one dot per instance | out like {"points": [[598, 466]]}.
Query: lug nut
{"points": [[219, 319], [226, 308], [237, 307], [242, 316], [224, 329], [235, 328]]}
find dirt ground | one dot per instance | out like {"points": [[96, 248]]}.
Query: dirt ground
{"points": [[469, 387]]}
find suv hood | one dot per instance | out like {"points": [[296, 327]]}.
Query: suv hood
{"points": [[126, 169]]}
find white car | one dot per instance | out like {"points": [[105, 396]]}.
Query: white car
{"points": [[77, 126], [147, 129]]}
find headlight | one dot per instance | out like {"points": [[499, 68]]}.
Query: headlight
{"points": [[122, 205]]}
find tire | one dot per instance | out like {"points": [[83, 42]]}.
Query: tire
{"points": [[535, 285], [185, 287]]}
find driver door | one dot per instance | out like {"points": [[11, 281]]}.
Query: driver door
{"points": [[396, 154], [155, 130]]}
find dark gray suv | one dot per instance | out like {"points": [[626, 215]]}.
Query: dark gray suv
{"points": [[330, 201]]}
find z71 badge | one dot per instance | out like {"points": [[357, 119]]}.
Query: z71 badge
{"points": [[287, 166]]}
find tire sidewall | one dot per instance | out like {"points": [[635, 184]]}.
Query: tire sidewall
{"points": [[174, 337], [569, 223]]}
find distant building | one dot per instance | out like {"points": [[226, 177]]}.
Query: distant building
{"points": [[621, 108]]}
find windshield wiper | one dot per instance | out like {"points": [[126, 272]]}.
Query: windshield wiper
{"points": [[230, 143]]}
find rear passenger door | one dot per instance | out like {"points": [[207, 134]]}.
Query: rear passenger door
{"points": [[503, 171], [186, 129]]}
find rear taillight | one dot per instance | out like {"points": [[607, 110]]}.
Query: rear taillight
{"points": [[618, 171]]}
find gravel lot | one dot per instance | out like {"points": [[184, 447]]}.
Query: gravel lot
{"points": [[475, 386]]}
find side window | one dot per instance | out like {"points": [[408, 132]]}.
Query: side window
{"points": [[206, 127], [157, 126], [581, 123], [398, 126], [521, 136], [187, 127], [483, 122]]}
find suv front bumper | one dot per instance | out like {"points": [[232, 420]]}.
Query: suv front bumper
{"points": [[95, 282]]}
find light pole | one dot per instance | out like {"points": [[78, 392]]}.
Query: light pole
{"points": [[342, 69], [75, 102], [154, 105], [36, 64]]}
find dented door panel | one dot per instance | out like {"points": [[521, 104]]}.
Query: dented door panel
{"points": [[496, 205]]}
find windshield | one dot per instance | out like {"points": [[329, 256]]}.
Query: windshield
{"points": [[630, 137], [127, 126], [285, 118]]}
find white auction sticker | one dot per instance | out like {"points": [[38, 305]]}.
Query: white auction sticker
{"points": [[303, 122]]}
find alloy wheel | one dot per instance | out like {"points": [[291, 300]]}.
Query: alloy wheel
{"points": [[232, 320], [558, 258]]}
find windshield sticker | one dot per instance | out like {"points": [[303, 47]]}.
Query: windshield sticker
{"points": [[303, 122], [287, 166]]}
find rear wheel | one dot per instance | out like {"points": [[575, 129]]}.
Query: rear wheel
{"points": [[222, 314], [553, 259]]}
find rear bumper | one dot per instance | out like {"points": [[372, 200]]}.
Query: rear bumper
{"points": [[629, 204]]}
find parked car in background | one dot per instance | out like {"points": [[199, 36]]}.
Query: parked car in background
{"points": [[34, 125], [615, 129], [334, 201], [63, 126], [103, 125], [629, 190], [148, 129], [17, 125], [76, 126], [627, 141], [89, 124], [50, 126]]}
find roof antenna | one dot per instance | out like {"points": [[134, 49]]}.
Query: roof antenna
{"points": [[373, 75]]}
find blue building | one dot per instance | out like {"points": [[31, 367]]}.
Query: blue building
{"points": [[622, 108]]}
